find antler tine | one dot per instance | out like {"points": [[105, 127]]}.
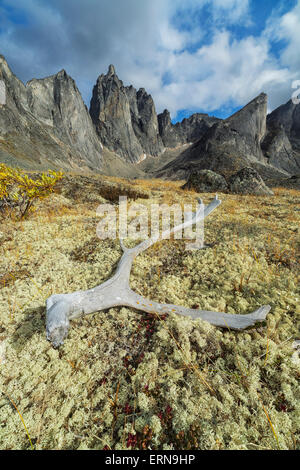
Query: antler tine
{"points": [[124, 248]]}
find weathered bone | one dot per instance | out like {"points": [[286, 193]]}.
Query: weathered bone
{"points": [[115, 292]]}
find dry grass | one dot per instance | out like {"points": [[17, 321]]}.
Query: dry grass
{"points": [[124, 378]]}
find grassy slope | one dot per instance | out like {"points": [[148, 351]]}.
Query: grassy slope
{"points": [[173, 383], [11, 154]]}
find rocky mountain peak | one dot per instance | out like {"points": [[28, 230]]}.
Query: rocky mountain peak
{"points": [[57, 102], [281, 144], [125, 119], [164, 121], [62, 73], [250, 123], [47, 120], [142, 92], [225, 146], [188, 130], [252, 117], [111, 70], [3, 62], [288, 116], [4, 68], [16, 97]]}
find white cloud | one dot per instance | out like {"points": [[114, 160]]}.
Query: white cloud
{"points": [[283, 30], [222, 11], [225, 71], [233, 9], [150, 40], [287, 28]]}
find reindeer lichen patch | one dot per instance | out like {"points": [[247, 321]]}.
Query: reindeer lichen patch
{"points": [[128, 379]]}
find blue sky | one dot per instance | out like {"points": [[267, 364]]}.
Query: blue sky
{"points": [[209, 56]]}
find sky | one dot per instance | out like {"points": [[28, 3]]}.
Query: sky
{"points": [[210, 56]]}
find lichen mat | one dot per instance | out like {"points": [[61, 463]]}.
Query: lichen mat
{"points": [[116, 292]]}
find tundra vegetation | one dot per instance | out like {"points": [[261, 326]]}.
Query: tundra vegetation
{"points": [[18, 191], [127, 379]]}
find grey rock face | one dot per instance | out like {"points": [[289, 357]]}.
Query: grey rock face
{"points": [[294, 182], [250, 124], [127, 123], [247, 139], [193, 128], [189, 130], [220, 150], [282, 141], [288, 116], [144, 121], [167, 130], [206, 181], [46, 123], [125, 119], [248, 181], [57, 102], [227, 146], [278, 150], [110, 112]]}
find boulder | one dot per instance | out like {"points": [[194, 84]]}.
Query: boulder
{"points": [[206, 181], [248, 181]]}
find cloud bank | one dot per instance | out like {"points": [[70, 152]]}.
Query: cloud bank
{"points": [[193, 55]]}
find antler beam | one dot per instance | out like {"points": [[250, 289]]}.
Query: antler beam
{"points": [[115, 292]]}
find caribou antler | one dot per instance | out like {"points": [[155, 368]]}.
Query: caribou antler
{"points": [[116, 292]]}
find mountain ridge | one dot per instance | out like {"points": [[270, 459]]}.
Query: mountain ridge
{"points": [[46, 123]]}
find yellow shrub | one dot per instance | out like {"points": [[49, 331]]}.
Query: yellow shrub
{"points": [[18, 191]]}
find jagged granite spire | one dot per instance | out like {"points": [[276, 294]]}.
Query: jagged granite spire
{"points": [[125, 119], [228, 146], [47, 123], [189, 130], [282, 141], [111, 70], [57, 102], [167, 131], [251, 123], [288, 116]]}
